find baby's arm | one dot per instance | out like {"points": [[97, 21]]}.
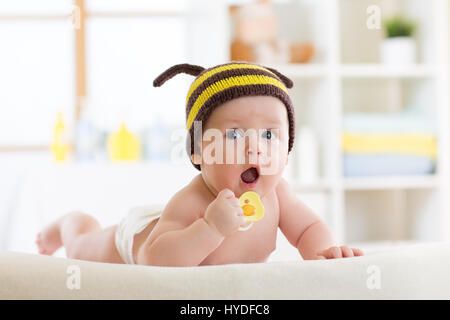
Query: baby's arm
{"points": [[183, 237], [179, 245], [305, 230]]}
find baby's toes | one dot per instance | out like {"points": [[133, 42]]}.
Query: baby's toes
{"points": [[335, 252], [346, 252]]}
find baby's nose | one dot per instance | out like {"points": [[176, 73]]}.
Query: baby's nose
{"points": [[254, 147], [250, 152]]}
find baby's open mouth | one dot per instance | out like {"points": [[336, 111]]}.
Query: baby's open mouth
{"points": [[250, 175]]}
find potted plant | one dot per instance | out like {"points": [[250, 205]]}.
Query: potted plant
{"points": [[399, 47]]}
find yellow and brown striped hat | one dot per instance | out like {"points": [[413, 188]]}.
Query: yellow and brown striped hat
{"points": [[217, 85]]}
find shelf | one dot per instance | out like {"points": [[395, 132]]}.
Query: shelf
{"points": [[319, 186], [361, 70], [385, 71], [391, 182], [346, 76]]}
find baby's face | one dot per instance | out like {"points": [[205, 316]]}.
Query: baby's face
{"points": [[254, 136]]}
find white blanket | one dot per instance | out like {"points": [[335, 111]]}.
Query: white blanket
{"points": [[412, 272]]}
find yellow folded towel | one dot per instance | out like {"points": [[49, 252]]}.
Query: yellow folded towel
{"points": [[419, 144]]}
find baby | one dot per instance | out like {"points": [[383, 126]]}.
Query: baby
{"points": [[235, 110]]}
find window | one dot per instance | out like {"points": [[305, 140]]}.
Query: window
{"points": [[126, 45], [36, 69], [124, 55]]}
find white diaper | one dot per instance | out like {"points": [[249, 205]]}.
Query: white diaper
{"points": [[137, 219]]}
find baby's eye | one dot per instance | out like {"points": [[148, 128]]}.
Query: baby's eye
{"points": [[268, 134], [234, 134]]}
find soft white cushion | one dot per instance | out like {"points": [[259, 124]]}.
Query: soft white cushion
{"points": [[412, 272]]}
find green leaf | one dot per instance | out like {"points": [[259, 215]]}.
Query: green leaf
{"points": [[398, 26]]}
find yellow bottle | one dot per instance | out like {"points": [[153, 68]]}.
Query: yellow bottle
{"points": [[60, 146], [124, 145]]}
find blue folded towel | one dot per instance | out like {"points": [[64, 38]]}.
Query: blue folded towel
{"points": [[357, 165]]}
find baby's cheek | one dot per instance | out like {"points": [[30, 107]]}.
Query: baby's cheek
{"points": [[274, 160], [229, 174]]}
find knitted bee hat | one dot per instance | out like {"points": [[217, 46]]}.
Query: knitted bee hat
{"points": [[217, 85]]}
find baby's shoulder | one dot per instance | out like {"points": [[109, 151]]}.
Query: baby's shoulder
{"points": [[187, 204], [284, 192]]}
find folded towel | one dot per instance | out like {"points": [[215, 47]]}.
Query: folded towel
{"points": [[357, 165], [407, 122], [422, 145]]}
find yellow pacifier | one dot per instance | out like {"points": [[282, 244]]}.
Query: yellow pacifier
{"points": [[253, 208]]}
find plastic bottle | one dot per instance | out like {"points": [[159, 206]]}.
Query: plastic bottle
{"points": [[124, 145], [158, 141], [60, 146], [85, 141]]}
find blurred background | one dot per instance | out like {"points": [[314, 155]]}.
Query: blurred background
{"points": [[82, 128]]}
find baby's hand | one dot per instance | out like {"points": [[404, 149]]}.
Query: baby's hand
{"points": [[339, 252], [225, 213]]}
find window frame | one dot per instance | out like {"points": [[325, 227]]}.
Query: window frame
{"points": [[79, 15]]}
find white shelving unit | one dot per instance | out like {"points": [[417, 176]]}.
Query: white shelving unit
{"points": [[346, 75]]}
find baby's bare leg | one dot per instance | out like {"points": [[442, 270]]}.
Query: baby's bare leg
{"points": [[82, 237]]}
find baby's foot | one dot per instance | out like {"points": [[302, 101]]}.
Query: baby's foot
{"points": [[49, 239]]}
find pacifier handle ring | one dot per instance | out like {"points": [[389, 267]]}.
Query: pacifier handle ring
{"points": [[246, 228]]}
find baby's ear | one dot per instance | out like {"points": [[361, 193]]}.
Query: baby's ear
{"points": [[196, 158]]}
